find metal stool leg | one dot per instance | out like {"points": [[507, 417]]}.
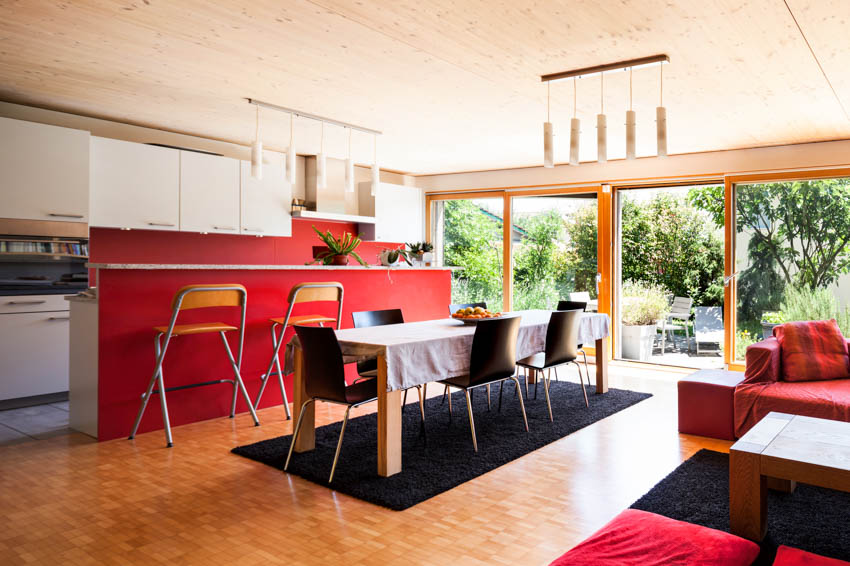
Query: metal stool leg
{"points": [[164, 408], [295, 433], [339, 443], [147, 396], [471, 419], [280, 382], [239, 383], [265, 379]]}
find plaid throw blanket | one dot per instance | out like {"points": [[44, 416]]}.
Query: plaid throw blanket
{"points": [[812, 351]]}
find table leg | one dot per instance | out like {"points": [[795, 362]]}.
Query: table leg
{"points": [[747, 496], [602, 365], [307, 435], [784, 486], [389, 424]]}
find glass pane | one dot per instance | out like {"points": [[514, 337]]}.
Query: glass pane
{"points": [[468, 234], [792, 255], [553, 247], [670, 285]]}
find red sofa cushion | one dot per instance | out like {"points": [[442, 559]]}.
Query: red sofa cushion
{"points": [[639, 538], [812, 351], [787, 556]]}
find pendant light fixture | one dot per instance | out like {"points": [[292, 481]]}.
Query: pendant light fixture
{"points": [[574, 128], [321, 163], [661, 117], [349, 168], [601, 124], [257, 151], [376, 172], [630, 124], [290, 154], [548, 137]]}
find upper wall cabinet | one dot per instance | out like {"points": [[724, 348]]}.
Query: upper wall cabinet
{"points": [[44, 171], [134, 185], [397, 210], [209, 193], [266, 203]]}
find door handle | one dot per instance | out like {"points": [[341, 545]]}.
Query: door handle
{"points": [[59, 215], [254, 229], [26, 302], [223, 228], [166, 224], [59, 318]]}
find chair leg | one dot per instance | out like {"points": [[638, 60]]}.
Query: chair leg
{"points": [[586, 404], [239, 383], [536, 381], [445, 393], [266, 376], [521, 404], [297, 430], [471, 419], [548, 401], [556, 372], [339, 443], [422, 390], [488, 396], [500, 395], [586, 371], [526, 383], [403, 402], [164, 407], [147, 396], [449, 397]]}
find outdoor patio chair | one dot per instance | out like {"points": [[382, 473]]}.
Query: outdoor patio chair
{"points": [[708, 326], [680, 312]]}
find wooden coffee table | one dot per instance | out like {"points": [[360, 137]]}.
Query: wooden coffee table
{"points": [[780, 450]]}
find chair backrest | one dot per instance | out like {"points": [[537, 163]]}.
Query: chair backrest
{"points": [[572, 305], [315, 291], [493, 353], [562, 337], [580, 296], [708, 319], [365, 319], [215, 295], [681, 305], [323, 365], [454, 308]]}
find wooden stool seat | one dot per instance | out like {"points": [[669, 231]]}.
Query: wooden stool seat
{"points": [[199, 328], [303, 319]]}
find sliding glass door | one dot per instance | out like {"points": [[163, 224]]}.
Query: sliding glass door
{"points": [[467, 233], [792, 255], [554, 250], [669, 263]]}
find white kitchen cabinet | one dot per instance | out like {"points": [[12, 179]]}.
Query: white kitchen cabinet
{"points": [[397, 210], [209, 193], [266, 203], [134, 185], [34, 350], [44, 172]]}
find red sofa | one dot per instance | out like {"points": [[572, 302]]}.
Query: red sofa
{"points": [[763, 391]]}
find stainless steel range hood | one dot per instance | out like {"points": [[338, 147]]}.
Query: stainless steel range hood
{"points": [[332, 199]]}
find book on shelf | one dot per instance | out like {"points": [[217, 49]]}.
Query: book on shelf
{"points": [[44, 247]]}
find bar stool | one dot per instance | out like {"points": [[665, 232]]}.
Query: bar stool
{"points": [[195, 297], [301, 293]]}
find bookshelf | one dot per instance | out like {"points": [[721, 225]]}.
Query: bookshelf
{"points": [[43, 249]]}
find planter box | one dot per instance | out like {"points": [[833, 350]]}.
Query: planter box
{"points": [[767, 329], [637, 342]]}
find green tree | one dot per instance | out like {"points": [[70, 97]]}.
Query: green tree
{"points": [[536, 260], [580, 258], [473, 240]]}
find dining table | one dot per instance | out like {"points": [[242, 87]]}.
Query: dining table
{"points": [[416, 353]]}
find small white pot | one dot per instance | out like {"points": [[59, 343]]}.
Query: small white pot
{"points": [[637, 342]]}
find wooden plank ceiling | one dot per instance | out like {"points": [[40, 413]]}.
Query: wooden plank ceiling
{"points": [[454, 84]]}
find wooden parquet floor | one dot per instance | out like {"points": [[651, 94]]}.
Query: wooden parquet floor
{"points": [[71, 501]]}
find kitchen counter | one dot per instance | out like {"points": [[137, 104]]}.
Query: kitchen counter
{"points": [[227, 267]]}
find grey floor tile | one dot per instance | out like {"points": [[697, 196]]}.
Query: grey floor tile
{"points": [[61, 405], [38, 421], [11, 436]]}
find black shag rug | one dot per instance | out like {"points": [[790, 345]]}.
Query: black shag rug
{"points": [[812, 518], [442, 457]]}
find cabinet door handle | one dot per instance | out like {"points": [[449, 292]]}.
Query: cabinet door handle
{"points": [[253, 229], [58, 215], [167, 224], [59, 318], [223, 228], [26, 302]]}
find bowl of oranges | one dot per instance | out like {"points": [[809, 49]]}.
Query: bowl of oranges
{"points": [[471, 315]]}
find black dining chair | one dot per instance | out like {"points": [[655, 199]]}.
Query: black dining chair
{"points": [[454, 308], [325, 372], [560, 349], [576, 306], [368, 369], [492, 360]]}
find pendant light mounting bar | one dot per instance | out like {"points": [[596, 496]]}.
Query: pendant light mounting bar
{"points": [[597, 69], [309, 116]]}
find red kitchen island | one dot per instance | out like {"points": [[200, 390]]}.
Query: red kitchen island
{"points": [[112, 341]]}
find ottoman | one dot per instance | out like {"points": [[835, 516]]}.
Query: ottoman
{"points": [[787, 556], [638, 538], [707, 402]]}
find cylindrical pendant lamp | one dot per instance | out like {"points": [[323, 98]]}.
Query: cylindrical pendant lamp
{"points": [[575, 129], [548, 146], [321, 163], [349, 168], [257, 151], [290, 154], [601, 125], [630, 134], [661, 117]]}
